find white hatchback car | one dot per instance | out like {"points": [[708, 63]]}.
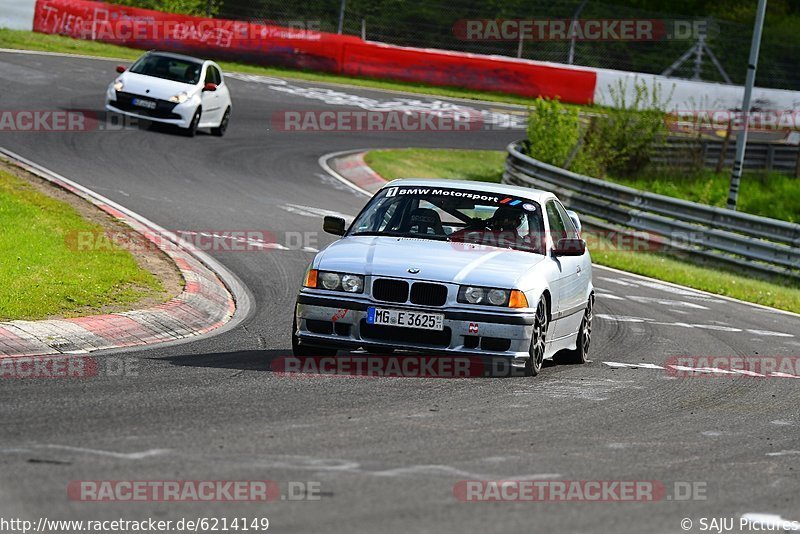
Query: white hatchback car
{"points": [[172, 89]]}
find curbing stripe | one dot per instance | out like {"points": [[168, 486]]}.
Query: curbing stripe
{"points": [[213, 299]]}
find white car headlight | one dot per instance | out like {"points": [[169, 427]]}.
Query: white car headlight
{"points": [[472, 295], [180, 98], [330, 281], [497, 297], [350, 283], [118, 85], [492, 297]]}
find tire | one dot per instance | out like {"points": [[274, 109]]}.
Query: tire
{"points": [[191, 131], [300, 350], [538, 339], [219, 131], [580, 354]]}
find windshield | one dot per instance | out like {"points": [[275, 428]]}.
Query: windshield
{"points": [[445, 214], [168, 68]]}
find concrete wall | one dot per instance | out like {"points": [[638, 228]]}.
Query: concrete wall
{"points": [[17, 14], [690, 95]]}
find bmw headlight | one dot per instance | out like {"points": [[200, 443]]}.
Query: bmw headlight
{"points": [[352, 283], [488, 296], [497, 297], [180, 98], [349, 283], [330, 281], [471, 295]]}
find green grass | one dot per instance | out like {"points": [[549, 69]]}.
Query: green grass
{"points": [[487, 165], [772, 195], [781, 294], [483, 165], [42, 274], [26, 40]]}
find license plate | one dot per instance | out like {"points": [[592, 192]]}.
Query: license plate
{"points": [[149, 104], [405, 318]]}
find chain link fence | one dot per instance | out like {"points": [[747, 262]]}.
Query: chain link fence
{"points": [[431, 23]]}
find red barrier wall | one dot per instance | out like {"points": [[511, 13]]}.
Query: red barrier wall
{"points": [[221, 39], [473, 71], [273, 45]]}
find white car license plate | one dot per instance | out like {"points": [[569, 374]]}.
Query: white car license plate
{"points": [[405, 318], [144, 103]]}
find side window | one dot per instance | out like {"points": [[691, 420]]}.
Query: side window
{"points": [[568, 224], [385, 217], [212, 75], [557, 229]]}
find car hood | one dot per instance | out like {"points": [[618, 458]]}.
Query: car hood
{"points": [[153, 87], [440, 261]]}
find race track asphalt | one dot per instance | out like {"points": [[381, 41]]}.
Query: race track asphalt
{"points": [[386, 452]]}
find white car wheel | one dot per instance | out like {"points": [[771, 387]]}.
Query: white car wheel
{"points": [[191, 131], [538, 339], [580, 354], [219, 131]]}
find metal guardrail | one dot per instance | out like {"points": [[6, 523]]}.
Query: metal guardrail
{"points": [[686, 153], [716, 234]]}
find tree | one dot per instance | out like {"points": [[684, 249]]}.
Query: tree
{"points": [[185, 7]]}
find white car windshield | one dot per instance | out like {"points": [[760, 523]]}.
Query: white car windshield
{"points": [[168, 68], [445, 214]]}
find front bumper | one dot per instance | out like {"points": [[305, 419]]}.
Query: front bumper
{"points": [[340, 322], [178, 115]]}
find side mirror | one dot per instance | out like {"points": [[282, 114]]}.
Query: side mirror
{"points": [[121, 68], [333, 225], [210, 87], [574, 246], [575, 220]]}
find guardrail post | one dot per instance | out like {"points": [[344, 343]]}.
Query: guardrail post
{"points": [[797, 164], [724, 150], [703, 152], [770, 157]]}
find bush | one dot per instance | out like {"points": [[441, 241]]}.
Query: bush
{"points": [[553, 131], [620, 142], [184, 7], [617, 141]]}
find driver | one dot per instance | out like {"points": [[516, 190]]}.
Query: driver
{"points": [[506, 220], [501, 229]]}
